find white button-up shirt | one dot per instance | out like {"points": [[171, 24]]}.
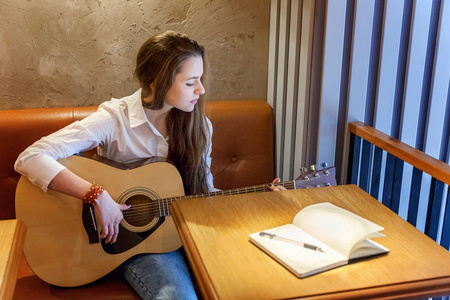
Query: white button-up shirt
{"points": [[119, 129]]}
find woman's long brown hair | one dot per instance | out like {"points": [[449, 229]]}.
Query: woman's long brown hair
{"points": [[158, 61]]}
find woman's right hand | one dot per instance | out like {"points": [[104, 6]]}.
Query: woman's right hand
{"points": [[109, 215], [108, 212]]}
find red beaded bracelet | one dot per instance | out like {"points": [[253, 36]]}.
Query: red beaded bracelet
{"points": [[92, 194]]}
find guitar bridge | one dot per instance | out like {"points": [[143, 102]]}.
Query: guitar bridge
{"points": [[89, 223]]}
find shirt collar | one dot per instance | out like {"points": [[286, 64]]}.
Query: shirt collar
{"points": [[136, 110]]}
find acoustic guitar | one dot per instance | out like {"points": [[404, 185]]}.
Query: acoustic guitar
{"points": [[62, 245]]}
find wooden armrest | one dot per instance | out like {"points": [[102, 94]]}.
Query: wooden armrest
{"points": [[412, 156], [12, 236]]}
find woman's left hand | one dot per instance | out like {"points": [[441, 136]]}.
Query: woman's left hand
{"points": [[275, 187]]}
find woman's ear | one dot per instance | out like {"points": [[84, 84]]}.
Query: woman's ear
{"points": [[152, 88], [148, 100]]}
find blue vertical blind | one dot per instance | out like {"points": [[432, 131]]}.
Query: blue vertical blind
{"points": [[385, 63]]}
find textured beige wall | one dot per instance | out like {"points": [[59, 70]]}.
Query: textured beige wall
{"points": [[81, 52]]}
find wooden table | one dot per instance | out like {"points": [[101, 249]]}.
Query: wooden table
{"points": [[12, 236], [215, 233]]}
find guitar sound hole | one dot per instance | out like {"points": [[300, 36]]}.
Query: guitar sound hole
{"points": [[141, 212]]}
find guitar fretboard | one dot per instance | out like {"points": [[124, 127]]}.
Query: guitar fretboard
{"points": [[246, 190], [164, 204]]}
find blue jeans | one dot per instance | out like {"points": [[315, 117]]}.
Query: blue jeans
{"points": [[159, 276]]}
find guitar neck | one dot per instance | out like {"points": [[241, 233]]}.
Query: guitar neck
{"points": [[324, 177], [165, 203], [245, 190]]}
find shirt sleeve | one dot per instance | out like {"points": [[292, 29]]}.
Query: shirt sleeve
{"points": [[39, 161], [209, 178]]}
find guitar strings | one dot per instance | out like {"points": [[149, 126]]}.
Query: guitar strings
{"points": [[153, 208], [160, 207]]}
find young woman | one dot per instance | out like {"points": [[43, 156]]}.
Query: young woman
{"points": [[164, 118]]}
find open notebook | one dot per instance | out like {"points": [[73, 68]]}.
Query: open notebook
{"points": [[321, 237]]}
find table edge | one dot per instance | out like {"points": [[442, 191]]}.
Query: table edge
{"points": [[198, 268], [409, 290]]}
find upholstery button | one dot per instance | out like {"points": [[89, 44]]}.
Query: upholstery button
{"points": [[234, 159]]}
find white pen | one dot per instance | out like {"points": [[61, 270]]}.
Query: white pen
{"points": [[293, 242]]}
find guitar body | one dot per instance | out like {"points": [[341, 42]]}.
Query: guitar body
{"points": [[57, 246]]}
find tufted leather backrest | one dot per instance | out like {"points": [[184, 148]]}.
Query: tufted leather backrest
{"points": [[242, 142]]}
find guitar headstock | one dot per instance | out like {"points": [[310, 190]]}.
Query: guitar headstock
{"points": [[316, 177]]}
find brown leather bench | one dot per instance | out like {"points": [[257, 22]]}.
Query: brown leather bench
{"points": [[242, 156]]}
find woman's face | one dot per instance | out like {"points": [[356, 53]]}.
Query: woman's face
{"points": [[187, 87]]}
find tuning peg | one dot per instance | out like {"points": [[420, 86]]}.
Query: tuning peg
{"points": [[313, 167], [303, 170], [324, 165]]}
